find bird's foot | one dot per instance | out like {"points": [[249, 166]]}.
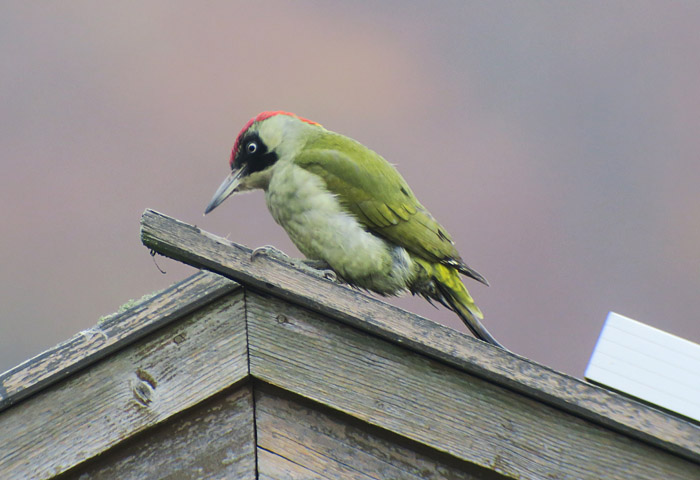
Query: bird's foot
{"points": [[319, 268], [270, 251], [325, 273]]}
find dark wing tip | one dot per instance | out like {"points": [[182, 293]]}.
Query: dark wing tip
{"points": [[464, 269]]}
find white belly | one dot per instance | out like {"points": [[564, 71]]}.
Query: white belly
{"points": [[320, 228]]}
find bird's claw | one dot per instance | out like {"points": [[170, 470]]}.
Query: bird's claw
{"points": [[319, 268], [325, 273], [269, 251], [330, 275]]}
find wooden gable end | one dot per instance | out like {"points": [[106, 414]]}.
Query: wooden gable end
{"points": [[282, 374]]}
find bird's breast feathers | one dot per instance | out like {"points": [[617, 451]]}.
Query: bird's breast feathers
{"points": [[322, 229]]}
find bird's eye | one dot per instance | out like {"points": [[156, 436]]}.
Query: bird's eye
{"points": [[252, 147]]}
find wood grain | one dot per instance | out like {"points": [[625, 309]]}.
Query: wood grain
{"points": [[437, 405], [146, 383], [276, 467], [201, 249], [332, 446], [116, 332], [212, 440]]}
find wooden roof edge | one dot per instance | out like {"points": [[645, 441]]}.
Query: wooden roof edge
{"points": [[190, 245], [111, 334]]}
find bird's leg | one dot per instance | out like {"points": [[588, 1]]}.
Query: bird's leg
{"points": [[317, 264], [319, 268]]}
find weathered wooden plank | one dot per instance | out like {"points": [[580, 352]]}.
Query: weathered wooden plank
{"points": [[201, 249], [333, 446], [275, 467], [212, 440], [437, 405], [112, 334], [141, 386]]}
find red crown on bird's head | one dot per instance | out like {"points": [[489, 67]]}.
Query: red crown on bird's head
{"points": [[259, 118]]}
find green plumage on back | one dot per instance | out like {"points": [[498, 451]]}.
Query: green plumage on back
{"points": [[374, 191], [377, 195], [370, 188]]}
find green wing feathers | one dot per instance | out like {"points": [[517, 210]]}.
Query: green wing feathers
{"points": [[372, 190]]}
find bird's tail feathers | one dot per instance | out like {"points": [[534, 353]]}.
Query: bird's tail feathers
{"points": [[451, 292]]}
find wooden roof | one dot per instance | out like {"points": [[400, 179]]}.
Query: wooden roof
{"points": [[284, 374]]}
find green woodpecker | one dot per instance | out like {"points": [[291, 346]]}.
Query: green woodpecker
{"points": [[344, 205]]}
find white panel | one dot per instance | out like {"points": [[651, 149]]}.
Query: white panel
{"points": [[649, 364]]}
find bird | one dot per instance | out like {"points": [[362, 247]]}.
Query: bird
{"points": [[344, 206]]}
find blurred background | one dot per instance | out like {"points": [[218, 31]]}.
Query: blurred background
{"points": [[558, 142]]}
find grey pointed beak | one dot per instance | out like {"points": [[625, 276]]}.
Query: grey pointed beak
{"points": [[226, 189]]}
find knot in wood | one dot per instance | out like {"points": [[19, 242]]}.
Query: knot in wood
{"points": [[143, 389]]}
